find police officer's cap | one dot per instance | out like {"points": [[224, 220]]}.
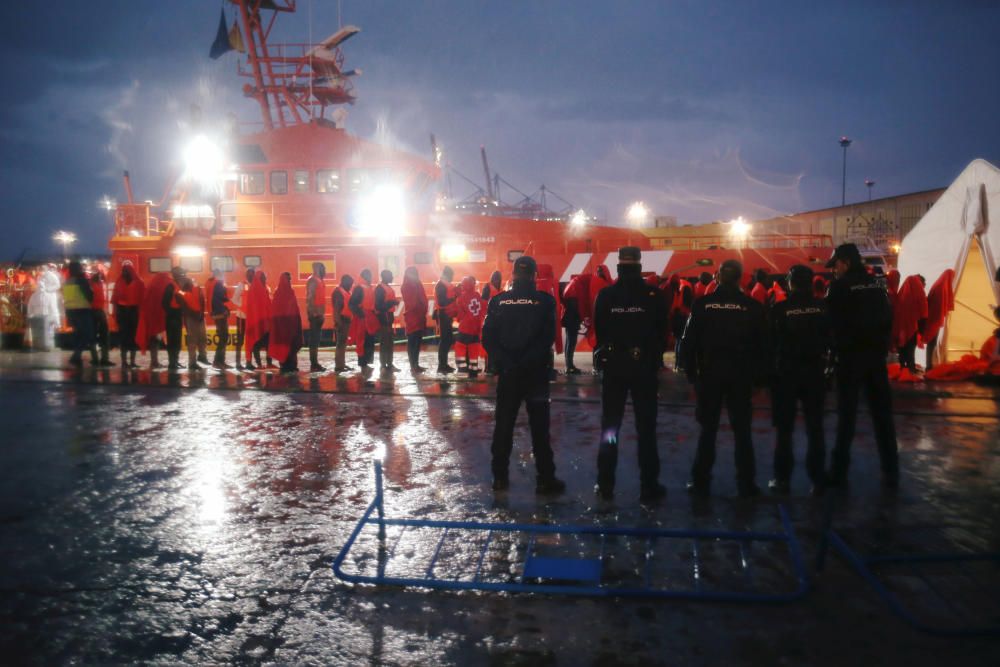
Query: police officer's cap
{"points": [[847, 252], [800, 277], [629, 254], [525, 266]]}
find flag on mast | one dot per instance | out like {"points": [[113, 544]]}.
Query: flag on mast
{"points": [[222, 43]]}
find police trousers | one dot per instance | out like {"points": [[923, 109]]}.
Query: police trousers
{"points": [[869, 373], [614, 392], [787, 391], [736, 393], [531, 387]]}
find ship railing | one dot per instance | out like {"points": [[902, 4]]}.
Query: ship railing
{"points": [[765, 241], [261, 217], [136, 220]]}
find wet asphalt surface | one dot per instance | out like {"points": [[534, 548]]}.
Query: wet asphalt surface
{"points": [[193, 518]]}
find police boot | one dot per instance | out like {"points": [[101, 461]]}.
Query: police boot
{"points": [[550, 485], [650, 493]]}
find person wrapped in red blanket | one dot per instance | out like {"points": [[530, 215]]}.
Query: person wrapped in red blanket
{"points": [[940, 302], [285, 338], [258, 310], [152, 318], [907, 318]]}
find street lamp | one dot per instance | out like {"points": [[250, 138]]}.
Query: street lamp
{"points": [[869, 183], [844, 143], [66, 239], [636, 214]]}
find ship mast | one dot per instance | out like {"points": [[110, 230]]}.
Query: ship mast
{"points": [[292, 83]]}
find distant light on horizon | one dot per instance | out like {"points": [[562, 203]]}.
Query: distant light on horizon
{"points": [[65, 238]]}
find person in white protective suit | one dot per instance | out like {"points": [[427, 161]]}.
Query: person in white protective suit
{"points": [[43, 310]]}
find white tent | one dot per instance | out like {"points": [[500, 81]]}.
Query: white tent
{"points": [[959, 233]]}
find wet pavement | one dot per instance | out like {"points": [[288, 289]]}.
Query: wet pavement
{"points": [[147, 517]]}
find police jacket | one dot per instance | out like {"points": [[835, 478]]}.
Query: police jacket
{"points": [[801, 334], [861, 315], [519, 328], [726, 337], [630, 320]]}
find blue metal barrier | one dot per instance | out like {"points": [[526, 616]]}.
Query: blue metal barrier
{"points": [[539, 572], [866, 566]]}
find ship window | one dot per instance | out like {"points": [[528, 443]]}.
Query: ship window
{"points": [[512, 255], [222, 264], [421, 258], [192, 264], [159, 264], [301, 180], [252, 183], [357, 179], [328, 180], [279, 182], [251, 261]]}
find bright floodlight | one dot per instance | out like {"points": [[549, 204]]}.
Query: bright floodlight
{"points": [[454, 252], [579, 218], [739, 228], [203, 162], [189, 251], [382, 213], [637, 213]]}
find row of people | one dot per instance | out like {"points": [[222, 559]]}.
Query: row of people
{"points": [[363, 313], [728, 346]]}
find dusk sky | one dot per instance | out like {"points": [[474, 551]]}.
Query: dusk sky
{"points": [[704, 110]]}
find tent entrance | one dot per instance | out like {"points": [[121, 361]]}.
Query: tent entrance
{"points": [[971, 323]]}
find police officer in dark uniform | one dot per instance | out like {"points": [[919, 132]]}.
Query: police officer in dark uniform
{"points": [[518, 334], [724, 353], [801, 339], [862, 325], [630, 320]]}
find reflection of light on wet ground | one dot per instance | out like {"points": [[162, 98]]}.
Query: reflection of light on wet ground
{"points": [[219, 511]]}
